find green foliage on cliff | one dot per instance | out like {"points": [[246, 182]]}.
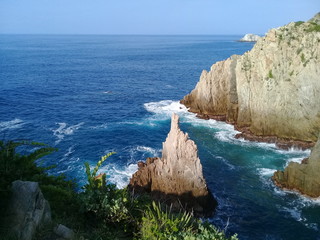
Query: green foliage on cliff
{"points": [[270, 75], [297, 24], [313, 27]]}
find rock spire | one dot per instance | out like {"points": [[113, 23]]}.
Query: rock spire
{"points": [[177, 177]]}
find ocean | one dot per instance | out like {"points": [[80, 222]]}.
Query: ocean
{"points": [[88, 95]]}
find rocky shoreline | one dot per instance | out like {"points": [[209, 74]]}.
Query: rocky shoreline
{"points": [[245, 133]]}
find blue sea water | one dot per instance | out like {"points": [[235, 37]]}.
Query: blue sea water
{"points": [[88, 95]]}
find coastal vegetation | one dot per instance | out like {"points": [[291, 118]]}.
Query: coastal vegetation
{"points": [[105, 211]]}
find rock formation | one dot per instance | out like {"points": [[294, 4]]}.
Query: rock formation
{"points": [[250, 38], [271, 93], [28, 210], [177, 177], [304, 177]]}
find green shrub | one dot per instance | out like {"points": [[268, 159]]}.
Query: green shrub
{"points": [[313, 27], [270, 75], [303, 59], [158, 224], [164, 225], [296, 24]]}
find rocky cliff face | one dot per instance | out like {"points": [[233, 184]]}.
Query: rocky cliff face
{"points": [[177, 177], [304, 177], [272, 91]]}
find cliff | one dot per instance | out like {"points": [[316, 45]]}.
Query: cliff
{"points": [[303, 177], [177, 177], [249, 38], [271, 93]]}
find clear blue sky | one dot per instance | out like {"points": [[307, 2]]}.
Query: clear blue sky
{"points": [[151, 16]]}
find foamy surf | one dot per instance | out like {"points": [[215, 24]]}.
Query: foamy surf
{"points": [[266, 171], [63, 130], [225, 132], [120, 176], [13, 124]]}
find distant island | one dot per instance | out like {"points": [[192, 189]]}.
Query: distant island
{"points": [[250, 38]]}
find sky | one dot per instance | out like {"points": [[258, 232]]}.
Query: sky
{"points": [[151, 16]]}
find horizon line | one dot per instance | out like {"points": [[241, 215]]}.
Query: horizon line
{"points": [[137, 34]]}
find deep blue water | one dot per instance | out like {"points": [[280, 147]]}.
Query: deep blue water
{"points": [[88, 95]]}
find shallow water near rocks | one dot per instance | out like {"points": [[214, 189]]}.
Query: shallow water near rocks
{"points": [[89, 95]]}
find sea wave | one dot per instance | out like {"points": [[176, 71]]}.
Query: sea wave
{"points": [[224, 132], [13, 124], [266, 171], [120, 176], [63, 130]]}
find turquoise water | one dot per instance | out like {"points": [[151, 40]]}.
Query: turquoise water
{"points": [[88, 95]]}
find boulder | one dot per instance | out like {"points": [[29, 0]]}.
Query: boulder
{"points": [[64, 232], [177, 177], [28, 209]]}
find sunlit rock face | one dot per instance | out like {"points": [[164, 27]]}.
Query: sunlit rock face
{"points": [[271, 93], [177, 177]]}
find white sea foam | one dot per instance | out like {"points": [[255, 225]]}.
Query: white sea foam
{"points": [[266, 171], [101, 126], [150, 150], [296, 213], [13, 124], [165, 107], [226, 132], [117, 175], [295, 159], [63, 130]]}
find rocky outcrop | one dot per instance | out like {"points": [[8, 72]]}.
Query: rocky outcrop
{"points": [[177, 177], [250, 38], [304, 177], [28, 209], [271, 93]]}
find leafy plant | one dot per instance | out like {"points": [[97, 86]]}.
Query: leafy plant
{"points": [[162, 225], [102, 201], [158, 224], [270, 75], [94, 181]]}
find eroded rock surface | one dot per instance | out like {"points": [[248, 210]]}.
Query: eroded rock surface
{"points": [[177, 177], [304, 177], [270, 93]]}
